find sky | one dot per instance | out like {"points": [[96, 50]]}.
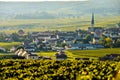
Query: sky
{"points": [[41, 0]]}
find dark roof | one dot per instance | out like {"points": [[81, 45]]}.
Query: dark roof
{"points": [[53, 36], [96, 37], [113, 55], [60, 56], [33, 55]]}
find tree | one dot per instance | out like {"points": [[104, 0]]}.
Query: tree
{"points": [[63, 44], [102, 40], [106, 42], [117, 43], [109, 42], [88, 38], [15, 36], [119, 24], [2, 37]]}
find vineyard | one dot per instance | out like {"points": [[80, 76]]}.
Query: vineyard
{"points": [[57, 70]]}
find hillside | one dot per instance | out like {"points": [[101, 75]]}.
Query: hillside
{"points": [[51, 10], [63, 24], [42, 16]]}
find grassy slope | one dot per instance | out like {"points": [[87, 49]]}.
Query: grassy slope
{"points": [[95, 53], [62, 24], [8, 45]]}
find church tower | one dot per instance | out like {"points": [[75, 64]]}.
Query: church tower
{"points": [[92, 23]]}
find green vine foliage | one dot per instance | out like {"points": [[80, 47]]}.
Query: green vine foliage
{"points": [[56, 70]]}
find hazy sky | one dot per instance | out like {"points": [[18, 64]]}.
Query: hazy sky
{"points": [[43, 0]]}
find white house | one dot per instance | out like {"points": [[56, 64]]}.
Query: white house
{"points": [[22, 52]]}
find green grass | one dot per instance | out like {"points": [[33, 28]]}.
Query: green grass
{"points": [[51, 54], [96, 53], [92, 54], [8, 45], [5, 54]]}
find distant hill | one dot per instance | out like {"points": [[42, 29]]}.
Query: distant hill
{"points": [[51, 10]]}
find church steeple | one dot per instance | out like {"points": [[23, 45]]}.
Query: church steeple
{"points": [[92, 23]]}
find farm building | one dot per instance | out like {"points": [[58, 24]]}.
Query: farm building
{"points": [[109, 57], [61, 55]]}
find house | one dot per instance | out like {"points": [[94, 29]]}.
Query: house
{"points": [[66, 35], [13, 49], [98, 33], [46, 58], [109, 57], [96, 40], [61, 55], [73, 47], [37, 41], [30, 48], [98, 46], [88, 46], [78, 41], [32, 56], [53, 37], [8, 39], [44, 35], [99, 28], [26, 42], [19, 52], [106, 33], [113, 29], [27, 55], [57, 48], [114, 35], [21, 32], [52, 41], [2, 49], [79, 46], [59, 41], [68, 40]]}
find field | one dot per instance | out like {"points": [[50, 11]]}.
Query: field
{"points": [[10, 26], [95, 53], [92, 54], [8, 45], [72, 54]]}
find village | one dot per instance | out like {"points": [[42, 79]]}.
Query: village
{"points": [[60, 40], [91, 39]]}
